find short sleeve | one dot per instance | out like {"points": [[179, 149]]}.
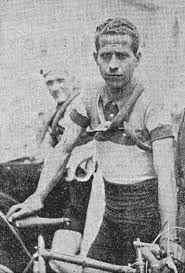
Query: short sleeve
{"points": [[76, 112], [158, 120]]}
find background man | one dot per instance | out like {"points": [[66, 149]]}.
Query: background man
{"points": [[63, 88]]}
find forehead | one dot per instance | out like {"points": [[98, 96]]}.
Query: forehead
{"points": [[52, 75], [112, 42]]}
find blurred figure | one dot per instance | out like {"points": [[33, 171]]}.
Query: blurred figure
{"points": [[63, 88]]}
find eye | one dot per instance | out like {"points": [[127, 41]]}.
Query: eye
{"points": [[60, 80], [49, 83], [106, 55], [122, 56]]}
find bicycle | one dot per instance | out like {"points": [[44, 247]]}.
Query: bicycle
{"points": [[144, 252], [37, 262]]}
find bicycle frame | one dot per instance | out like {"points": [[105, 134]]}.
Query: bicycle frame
{"points": [[42, 255]]}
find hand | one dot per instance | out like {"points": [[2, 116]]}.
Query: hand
{"points": [[31, 205], [175, 250], [103, 126], [164, 266]]}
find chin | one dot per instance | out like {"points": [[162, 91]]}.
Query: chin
{"points": [[115, 85], [60, 101]]}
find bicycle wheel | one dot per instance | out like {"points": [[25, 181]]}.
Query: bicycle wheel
{"points": [[4, 269]]}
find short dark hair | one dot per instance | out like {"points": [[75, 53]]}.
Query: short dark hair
{"points": [[116, 26]]}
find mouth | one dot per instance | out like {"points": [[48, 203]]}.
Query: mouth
{"points": [[59, 96], [114, 76]]}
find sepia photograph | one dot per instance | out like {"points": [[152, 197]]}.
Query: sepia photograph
{"points": [[92, 136]]}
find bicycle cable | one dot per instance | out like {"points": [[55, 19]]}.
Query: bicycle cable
{"points": [[167, 230]]}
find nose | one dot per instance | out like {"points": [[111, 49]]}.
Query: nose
{"points": [[55, 86], [114, 64]]}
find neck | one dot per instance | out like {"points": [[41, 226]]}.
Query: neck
{"points": [[124, 92]]}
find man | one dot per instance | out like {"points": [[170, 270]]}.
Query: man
{"points": [[63, 88], [140, 187]]}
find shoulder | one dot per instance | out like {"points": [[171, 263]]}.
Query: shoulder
{"points": [[151, 94], [153, 98], [82, 108], [146, 96]]}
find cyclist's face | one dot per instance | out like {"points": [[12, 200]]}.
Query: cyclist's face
{"points": [[59, 87], [116, 60]]}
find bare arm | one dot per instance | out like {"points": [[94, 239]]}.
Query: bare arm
{"points": [[46, 146], [55, 163], [163, 155], [54, 167]]}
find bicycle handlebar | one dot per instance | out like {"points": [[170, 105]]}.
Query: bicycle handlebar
{"points": [[40, 221], [88, 262]]}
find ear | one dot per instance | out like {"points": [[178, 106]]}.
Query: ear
{"points": [[138, 58], [95, 55]]}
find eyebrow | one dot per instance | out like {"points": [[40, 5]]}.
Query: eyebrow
{"points": [[60, 78], [56, 79], [112, 51], [49, 81]]}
